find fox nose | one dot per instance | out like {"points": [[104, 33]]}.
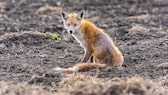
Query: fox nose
{"points": [[70, 31]]}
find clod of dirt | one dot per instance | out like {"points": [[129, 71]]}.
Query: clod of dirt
{"points": [[163, 80], [163, 65]]}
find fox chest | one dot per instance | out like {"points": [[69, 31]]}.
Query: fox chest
{"points": [[80, 39]]}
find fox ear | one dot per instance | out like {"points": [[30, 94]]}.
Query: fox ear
{"points": [[64, 15], [81, 15]]}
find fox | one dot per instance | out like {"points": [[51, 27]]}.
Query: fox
{"points": [[96, 44]]}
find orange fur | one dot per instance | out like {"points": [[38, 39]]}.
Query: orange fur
{"points": [[95, 42], [83, 67]]}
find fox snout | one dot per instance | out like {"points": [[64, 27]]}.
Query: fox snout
{"points": [[70, 31]]}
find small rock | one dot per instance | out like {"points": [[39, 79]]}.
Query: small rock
{"points": [[2, 45], [58, 3]]}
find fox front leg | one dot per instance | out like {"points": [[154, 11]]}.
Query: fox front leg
{"points": [[87, 56]]}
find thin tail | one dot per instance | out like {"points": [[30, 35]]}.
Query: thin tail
{"points": [[81, 67]]}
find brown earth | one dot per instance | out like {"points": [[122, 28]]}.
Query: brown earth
{"points": [[138, 27]]}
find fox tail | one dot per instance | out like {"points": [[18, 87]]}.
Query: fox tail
{"points": [[81, 67]]}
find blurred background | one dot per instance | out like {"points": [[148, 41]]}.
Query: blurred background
{"points": [[27, 55]]}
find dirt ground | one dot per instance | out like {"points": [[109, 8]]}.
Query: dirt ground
{"points": [[138, 27]]}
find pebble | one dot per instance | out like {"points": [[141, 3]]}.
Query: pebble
{"points": [[2, 45]]}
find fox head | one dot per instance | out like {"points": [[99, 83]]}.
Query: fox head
{"points": [[72, 21]]}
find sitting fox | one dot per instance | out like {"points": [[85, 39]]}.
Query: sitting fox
{"points": [[95, 42]]}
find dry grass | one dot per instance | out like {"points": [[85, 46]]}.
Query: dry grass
{"points": [[21, 89], [139, 28], [86, 85], [48, 8], [2, 6], [2, 9], [17, 34], [81, 85], [138, 17], [78, 84], [72, 79], [143, 42]]}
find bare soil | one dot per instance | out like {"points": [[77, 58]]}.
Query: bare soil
{"points": [[138, 27]]}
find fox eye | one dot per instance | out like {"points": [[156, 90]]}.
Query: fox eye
{"points": [[75, 24], [68, 24]]}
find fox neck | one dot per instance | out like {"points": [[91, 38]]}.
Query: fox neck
{"points": [[85, 33], [78, 36], [88, 29]]}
